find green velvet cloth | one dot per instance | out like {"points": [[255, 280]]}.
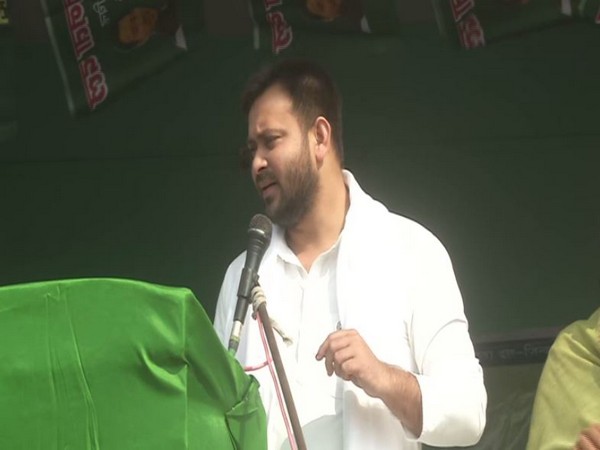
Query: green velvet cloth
{"points": [[103, 364], [568, 396]]}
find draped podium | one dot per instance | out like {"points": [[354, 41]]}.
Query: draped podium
{"points": [[103, 364]]}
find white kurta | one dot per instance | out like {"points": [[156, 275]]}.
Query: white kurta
{"points": [[395, 285]]}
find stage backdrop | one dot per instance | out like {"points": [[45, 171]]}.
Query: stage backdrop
{"points": [[493, 149]]}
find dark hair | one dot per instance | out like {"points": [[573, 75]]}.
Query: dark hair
{"points": [[311, 88]]}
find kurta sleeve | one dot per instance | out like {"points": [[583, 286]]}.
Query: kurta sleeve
{"points": [[450, 377], [568, 395]]}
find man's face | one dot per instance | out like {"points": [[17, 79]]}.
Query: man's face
{"points": [[282, 166], [138, 25], [326, 9]]}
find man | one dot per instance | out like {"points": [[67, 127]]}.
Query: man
{"points": [[566, 411], [350, 11], [325, 9], [380, 356], [139, 24]]}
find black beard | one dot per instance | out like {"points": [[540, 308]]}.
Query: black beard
{"points": [[301, 189]]}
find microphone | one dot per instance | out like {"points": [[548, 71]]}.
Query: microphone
{"points": [[259, 238]]}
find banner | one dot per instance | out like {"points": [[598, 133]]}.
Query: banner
{"points": [[103, 46], [8, 121], [589, 10], [280, 23], [4, 13], [475, 23]]}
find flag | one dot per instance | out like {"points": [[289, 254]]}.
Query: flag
{"points": [[8, 121], [103, 46], [279, 24], [589, 10], [476, 23]]}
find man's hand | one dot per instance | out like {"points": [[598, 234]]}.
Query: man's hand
{"points": [[348, 356], [589, 439]]}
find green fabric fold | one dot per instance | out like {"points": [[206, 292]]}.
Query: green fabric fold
{"points": [[102, 364]]}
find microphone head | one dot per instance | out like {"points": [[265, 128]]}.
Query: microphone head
{"points": [[259, 238], [261, 227]]}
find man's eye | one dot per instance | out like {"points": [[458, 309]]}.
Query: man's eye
{"points": [[271, 141]]}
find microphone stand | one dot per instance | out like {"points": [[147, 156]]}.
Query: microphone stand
{"points": [[283, 381]]}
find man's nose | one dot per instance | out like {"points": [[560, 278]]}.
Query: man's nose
{"points": [[259, 162]]}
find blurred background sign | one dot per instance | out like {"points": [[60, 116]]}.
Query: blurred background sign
{"points": [[8, 121], [103, 46]]}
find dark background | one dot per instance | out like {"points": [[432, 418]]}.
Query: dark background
{"points": [[494, 149]]}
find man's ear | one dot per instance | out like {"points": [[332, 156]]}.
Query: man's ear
{"points": [[322, 135]]}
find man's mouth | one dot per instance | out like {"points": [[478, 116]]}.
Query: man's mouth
{"points": [[266, 188], [265, 184]]}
